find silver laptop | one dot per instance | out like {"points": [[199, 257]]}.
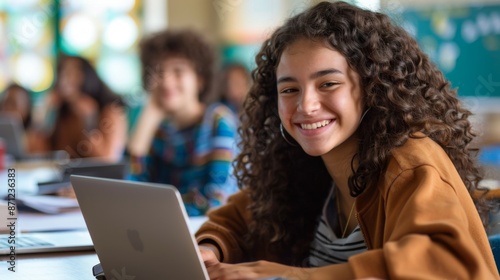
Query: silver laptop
{"points": [[140, 230], [45, 242], [12, 132], [94, 167]]}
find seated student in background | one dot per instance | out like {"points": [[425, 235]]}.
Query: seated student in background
{"points": [[16, 101], [235, 83], [180, 138], [355, 161], [83, 116]]}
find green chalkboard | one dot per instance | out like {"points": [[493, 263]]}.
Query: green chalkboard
{"points": [[464, 42]]}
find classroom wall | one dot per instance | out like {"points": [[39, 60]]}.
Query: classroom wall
{"points": [[195, 14]]}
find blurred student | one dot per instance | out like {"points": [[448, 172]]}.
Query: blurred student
{"points": [[235, 82], [180, 138], [85, 118], [16, 101]]}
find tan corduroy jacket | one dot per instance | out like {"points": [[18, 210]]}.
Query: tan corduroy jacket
{"points": [[419, 222]]}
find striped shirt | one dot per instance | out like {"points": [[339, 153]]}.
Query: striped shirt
{"points": [[326, 247], [196, 160]]}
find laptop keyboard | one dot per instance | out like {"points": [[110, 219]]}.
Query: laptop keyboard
{"points": [[23, 242]]}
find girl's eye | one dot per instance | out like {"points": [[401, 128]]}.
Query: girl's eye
{"points": [[328, 84], [288, 90]]}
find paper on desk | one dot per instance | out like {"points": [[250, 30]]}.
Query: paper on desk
{"points": [[48, 203], [30, 222], [24, 183]]}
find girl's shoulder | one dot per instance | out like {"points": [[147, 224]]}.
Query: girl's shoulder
{"points": [[419, 152]]}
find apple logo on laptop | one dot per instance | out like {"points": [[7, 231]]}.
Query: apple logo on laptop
{"points": [[121, 276], [135, 240]]}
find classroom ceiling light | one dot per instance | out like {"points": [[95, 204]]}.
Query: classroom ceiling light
{"points": [[120, 72], [33, 71], [26, 32], [80, 32], [121, 33]]}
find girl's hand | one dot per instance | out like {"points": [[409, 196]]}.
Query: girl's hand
{"points": [[248, 271], [208, 255], [252, 270], [153, 107], [53, 99], [85, 107]]}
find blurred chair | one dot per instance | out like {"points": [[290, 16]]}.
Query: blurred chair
{"points": [[495, 247]]}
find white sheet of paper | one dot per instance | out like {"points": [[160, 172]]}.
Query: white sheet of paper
{"points": [[72, 220]]}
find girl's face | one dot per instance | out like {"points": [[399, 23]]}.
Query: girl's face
{"points": [[178, 85], [319, 96], [71, 78]]}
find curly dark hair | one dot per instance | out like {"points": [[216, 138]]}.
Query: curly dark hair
{"points": [[406, 94], [92, 85], [183, 43]]}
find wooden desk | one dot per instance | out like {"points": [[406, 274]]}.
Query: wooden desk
{"points": [[54, 266]]}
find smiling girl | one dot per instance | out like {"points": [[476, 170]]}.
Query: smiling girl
{"points": [[355, 161]]}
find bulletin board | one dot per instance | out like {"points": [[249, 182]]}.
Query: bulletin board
{"points": [[464, 42]]}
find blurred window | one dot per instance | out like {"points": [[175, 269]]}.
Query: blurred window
{"points": [[106, 32]]}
